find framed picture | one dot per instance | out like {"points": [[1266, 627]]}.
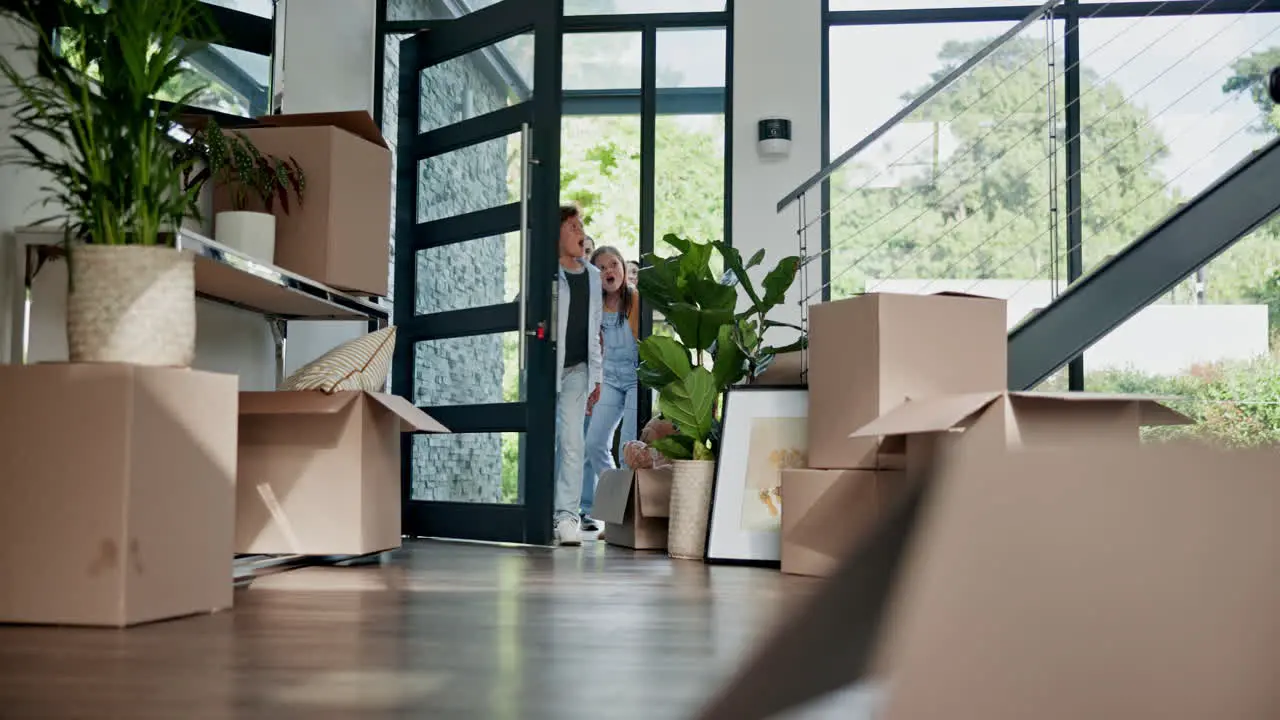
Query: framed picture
{"points": [[765, 431]]}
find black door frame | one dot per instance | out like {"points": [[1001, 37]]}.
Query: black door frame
{"points": [[529, 521]]}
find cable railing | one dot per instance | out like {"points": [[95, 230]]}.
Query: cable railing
{"points": [[978, 194]]}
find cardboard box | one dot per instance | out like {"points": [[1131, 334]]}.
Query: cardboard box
{"points": [[996, 422], [320, 474], [826, 512], [341, 234], [117, 495], [870, 353], [787, 370], [634, 505], [1088, 582]]}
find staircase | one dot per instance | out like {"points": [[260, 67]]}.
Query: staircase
{"points": [[1240, 201]]}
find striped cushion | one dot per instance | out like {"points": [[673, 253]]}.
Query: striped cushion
{"points": [[361, 364]]}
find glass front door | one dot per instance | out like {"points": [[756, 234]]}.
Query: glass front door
{"points": [[476, 231]]}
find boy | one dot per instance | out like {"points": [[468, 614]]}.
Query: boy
{"points": [[580, 369]]}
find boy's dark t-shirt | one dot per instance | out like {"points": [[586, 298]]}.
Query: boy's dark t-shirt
{"points": [[575, 331]]}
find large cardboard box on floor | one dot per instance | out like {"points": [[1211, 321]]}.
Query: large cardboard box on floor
{"points": [[826, 512], [870, 353], [996, 422], [320, 474], [634, 506], [117, 497], [340, 234], [1095, 581]]}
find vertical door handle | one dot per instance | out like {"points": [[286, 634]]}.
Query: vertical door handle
{"points": [[524, 241]]}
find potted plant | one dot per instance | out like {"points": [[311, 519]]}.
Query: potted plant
{"points": [[253, 179], [91, 123], [716, 345]]}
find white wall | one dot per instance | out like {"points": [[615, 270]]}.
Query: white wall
{"points": [[777, 72], [228, 340]]}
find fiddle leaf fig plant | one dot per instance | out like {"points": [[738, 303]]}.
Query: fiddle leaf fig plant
{"points": [[716, 345]]}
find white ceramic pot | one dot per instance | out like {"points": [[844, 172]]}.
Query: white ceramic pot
{"points": [[252, 233], [691, 484], [133, 304]]}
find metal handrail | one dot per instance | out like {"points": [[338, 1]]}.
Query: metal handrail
{"points": [[925, 97]]}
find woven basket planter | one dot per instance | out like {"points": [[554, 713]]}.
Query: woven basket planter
{"points": [[690, 508], [133, 304]]}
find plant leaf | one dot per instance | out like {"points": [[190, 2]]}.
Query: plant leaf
{"points": [[659, 283], [675, 447], [756, 259], [697, 328], [733, 263], [779, 281], [730, 361], [690, 404], [663, 361], [796, 346]]}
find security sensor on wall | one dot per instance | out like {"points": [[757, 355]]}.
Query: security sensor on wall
{"points": [[775, 137]]}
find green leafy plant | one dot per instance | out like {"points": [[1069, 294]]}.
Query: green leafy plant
{"points": [[702, 310], [233, 161], [91, 120]]}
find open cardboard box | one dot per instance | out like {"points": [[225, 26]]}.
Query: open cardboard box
{"points": [[634, 505], [869, 353], [341, 233], [1097, 581], [998, 421], [320, 474]]}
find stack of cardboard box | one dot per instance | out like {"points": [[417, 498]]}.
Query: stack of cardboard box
{"points": [[894, 380]]}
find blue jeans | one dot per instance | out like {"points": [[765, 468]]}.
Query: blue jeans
{"points": [[616, 405], [571, 407]]}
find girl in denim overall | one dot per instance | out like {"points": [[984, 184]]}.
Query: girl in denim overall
{"points": [[620, 330]]}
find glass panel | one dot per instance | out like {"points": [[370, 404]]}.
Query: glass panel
{"points": [[630, 7], [471, 274], [962, 194], [261, 8], [689, 179], [479, 82], [467, 467], [1211, 343], [691, 58], [238, 81], [600, 171], [419, 10], [842, 5], [1169, 104], [474, 370], [601, 61], [469, 179]]}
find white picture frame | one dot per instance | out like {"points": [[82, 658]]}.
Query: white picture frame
{"points": [[765, 430]]}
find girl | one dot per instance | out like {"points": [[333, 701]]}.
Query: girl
{"points": [[620, 329]]}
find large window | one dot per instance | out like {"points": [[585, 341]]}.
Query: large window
{"points": [[236, 67], [643, 155], [1153, 101]]}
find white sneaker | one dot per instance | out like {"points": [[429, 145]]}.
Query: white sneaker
{"points": [[568, 532]]}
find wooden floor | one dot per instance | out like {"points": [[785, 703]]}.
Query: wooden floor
{"points": [[441, 631]]}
